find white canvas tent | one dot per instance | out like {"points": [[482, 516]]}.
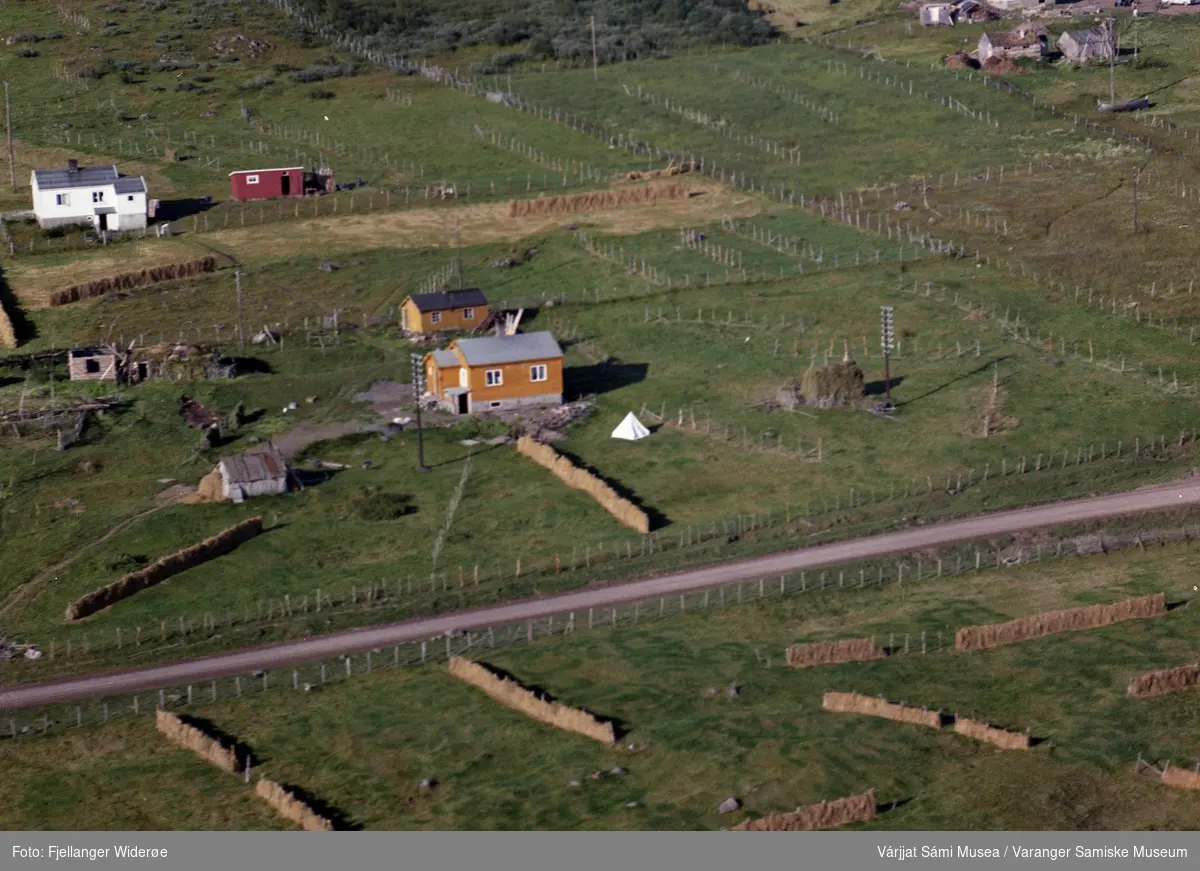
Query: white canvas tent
{"points": [[630, 429]]}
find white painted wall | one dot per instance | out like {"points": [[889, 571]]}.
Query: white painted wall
{"points": [[78, 206]]}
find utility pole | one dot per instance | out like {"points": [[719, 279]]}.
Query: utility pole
{"points": [[418, 384], [237, 277], [1112, 79], [595, 62], [1135, 214], [12, 163], [886, 343], [458, 238]]}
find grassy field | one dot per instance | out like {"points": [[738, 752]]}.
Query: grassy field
{"points": [[363, 745]]}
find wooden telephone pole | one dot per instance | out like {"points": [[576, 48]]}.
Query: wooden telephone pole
{"points": [[12, 163], [595, 62], [1135, 214], [458, 238], [237, 278]]}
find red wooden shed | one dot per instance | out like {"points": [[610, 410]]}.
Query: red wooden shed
{"points": [[262, 184]]}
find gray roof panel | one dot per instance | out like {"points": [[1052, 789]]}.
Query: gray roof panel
{"points": [[445, 359], [497, 350], [87, 176], [449, 299], [263, 465], [130, 185]]}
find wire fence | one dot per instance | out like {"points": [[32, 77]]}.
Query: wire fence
{"points": [[480, 640], [855, 512]]}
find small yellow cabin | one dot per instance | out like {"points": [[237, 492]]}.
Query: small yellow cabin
{"points": [[494, 373], [424, 313]]}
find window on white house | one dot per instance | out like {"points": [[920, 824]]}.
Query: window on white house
{"points": [[62, 199], [97, 196], [538, 372], [435, 318], [251, 179], [468, 314], [494, 377], [131, 198]]}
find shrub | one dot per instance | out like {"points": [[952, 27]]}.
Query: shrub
{"points": [[321, 72], [88, 73], [368, 503], [26, 51], [256, 84], [205, 79], [187, 86], [321, 94], [126, 562]]}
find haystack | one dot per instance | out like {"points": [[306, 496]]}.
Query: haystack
{"points": [[833, 385]]}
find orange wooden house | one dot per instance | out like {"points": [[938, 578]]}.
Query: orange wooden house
{"points": [[496, 372], [424, 313]]}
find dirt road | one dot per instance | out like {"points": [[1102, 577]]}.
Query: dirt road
{"points": [[1186, 493]]}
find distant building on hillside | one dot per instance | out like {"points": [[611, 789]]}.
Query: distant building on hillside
{"points": [[270, 184], [937, 14], [95, 196], [496, 373], [92, 364], [1026, 41], [424, 313], [257, 473], [1085, 46]]}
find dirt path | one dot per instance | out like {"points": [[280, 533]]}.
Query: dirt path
{"points": [[21, 593], [358, 640]]}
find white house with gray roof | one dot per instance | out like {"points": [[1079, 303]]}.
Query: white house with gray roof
{"points": [[96, 196]]}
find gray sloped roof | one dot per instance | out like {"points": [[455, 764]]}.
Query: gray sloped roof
{"points": [[265, 465], [1093, 35], [491, 350], [449, 299], [446, 359], [86, 176], [130, 185]]}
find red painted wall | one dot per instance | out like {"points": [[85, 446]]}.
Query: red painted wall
{"points": [[270, 184]]}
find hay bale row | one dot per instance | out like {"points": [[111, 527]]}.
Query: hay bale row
{"points": [[606, 199], [291, 808], [853, 703], [1167, 680], [513, 695], [172, 564], [1001, 738], [580, 479], [1091, 617], [191, 738], [8, 335], [833, 652], [130, 280], [1180, 778], [825, 815]]}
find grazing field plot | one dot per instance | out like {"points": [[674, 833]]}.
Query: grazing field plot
{"points": [[712, 361], [765, 111], [365, 744]]}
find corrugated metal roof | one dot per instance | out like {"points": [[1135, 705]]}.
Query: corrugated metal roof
{"points": [[449, 299], [509, 349], [445, 359], [87, 176], [263, 465], [1090, 36]]}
